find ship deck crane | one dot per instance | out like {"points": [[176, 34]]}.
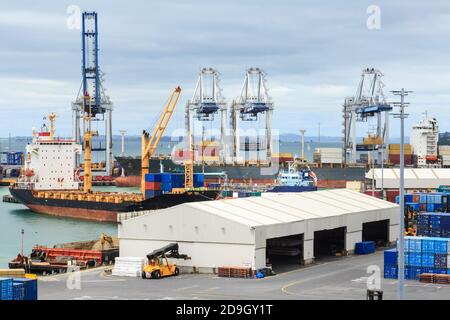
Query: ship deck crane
{"points": [[150, 143], [87, 142]]}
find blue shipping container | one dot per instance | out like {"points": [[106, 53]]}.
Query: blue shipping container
{"points": [[153, 177], [166, 186], [18, 291], [428, 260], [415, 259], [428, 246], [166, 177], [390, 257], [390, 272], [30, 288], [152, 193], [365, 247], [415, 245], [6, 288]]}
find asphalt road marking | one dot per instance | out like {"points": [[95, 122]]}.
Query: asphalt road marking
{"points": [[186, 288], [285, 290], [104, 281], [223, 295]]}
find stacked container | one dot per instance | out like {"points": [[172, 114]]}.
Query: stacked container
{"points": [[422, 255], [199, 180], [429, 202], [208, 151], [394, 154], [328, 155], [18, 291], [444, 153], [158, 183], [432, 224], [177, 180], [166, 182], [30, 287], [152, 185], [6, 289]]}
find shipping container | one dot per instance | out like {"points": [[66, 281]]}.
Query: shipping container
{"points": [[364, 247], [395, 159], [152, 193], [30, 288], [152, 185], [18, 291], [153, 177], [6, 289]]}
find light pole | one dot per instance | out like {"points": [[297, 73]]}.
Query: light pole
{"points": [[302, 131], [21, 250], [401, 242], [122, 133], [382, 170]]}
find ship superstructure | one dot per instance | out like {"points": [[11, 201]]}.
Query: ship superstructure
{"points": [[293, 180], [50, 163], [424, 141]]}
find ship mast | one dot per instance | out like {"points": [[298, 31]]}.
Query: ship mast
{"points": [[52, 117], [87, 140]]}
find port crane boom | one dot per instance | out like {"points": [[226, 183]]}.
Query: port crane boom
{"points": [[150, 143]]}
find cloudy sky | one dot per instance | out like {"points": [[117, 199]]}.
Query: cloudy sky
{"points": [[312, 53]]}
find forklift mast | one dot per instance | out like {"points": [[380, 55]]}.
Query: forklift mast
{"points": [[169, 251]]}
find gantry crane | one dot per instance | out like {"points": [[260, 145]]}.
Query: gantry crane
{"points": [[150, 143], [206, 101], [92, 83], [369, 101], [253, 100]]}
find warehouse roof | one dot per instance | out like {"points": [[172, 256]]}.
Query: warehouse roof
{"points": [[291, 207], [414, 178]]}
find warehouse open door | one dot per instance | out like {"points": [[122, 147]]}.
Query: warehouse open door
{"points": [[377, 231], [329, 242], [285, 253]]}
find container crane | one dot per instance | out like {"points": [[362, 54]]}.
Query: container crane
{"points": [[92, 83], [150, 143], [369, 101], [207, 101], [253, 100]]}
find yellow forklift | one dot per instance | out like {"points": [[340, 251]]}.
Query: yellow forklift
{"points": [[159, 266], [410, 221]]}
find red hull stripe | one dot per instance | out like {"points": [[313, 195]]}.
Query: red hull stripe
{"points": [[77, 213]]}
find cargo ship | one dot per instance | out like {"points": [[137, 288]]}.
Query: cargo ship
{"points": [[327, 177], [50, 183]]}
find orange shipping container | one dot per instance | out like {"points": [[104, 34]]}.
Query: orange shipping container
{"points": [[152, 185]]}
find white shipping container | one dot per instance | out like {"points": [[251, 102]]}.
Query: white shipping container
{"points": [[355, 185], [328, 155], [329, 150]]}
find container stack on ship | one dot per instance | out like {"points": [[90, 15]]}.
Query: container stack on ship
{"points": [[50, 183]]}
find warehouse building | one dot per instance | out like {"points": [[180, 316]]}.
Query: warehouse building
{"points": [[279, 229], [415, 179]]}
